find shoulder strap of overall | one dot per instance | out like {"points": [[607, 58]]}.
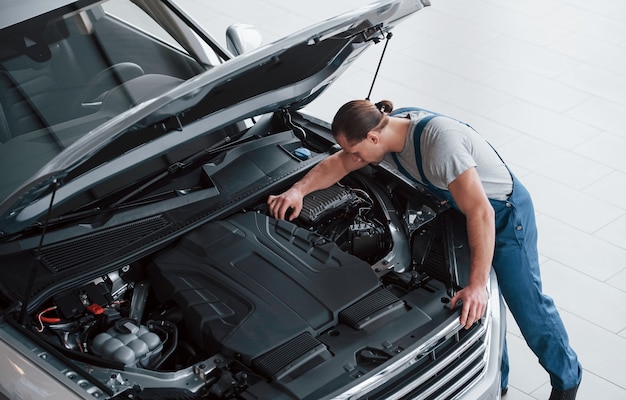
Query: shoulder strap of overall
{"points": [[417, 134]]}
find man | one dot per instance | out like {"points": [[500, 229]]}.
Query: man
{"points": [[459, 166]]}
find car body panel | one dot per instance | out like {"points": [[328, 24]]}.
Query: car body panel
{"points": [[23, 378]]}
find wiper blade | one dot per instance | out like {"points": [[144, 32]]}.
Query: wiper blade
{"points": [[98, 211], [74, 216], [225, 144]]}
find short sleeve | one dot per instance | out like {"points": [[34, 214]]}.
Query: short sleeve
{"points": [[446, 151]]}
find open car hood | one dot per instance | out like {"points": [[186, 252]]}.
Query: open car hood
{"points": [[286, 74]]}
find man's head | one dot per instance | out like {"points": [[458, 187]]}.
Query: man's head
{"points": [[357, 126], [357, 117]]}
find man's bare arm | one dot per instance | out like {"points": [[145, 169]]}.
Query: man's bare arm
{"points": [[468, 193]]}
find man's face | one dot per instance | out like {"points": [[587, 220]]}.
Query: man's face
{"points": [[368, 150]]}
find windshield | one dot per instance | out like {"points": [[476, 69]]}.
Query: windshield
{"points": [[67, 71]]}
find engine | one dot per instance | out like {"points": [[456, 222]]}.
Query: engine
{"points": [[249, 284]]}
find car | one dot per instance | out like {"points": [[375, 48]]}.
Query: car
{"points": [[138, 259]]}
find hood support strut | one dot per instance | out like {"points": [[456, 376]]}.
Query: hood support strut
{"points": [[380, 61]]}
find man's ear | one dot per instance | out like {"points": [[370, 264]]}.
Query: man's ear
{"points": [[373, 136]]}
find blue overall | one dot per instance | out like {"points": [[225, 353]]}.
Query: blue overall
{"points": [[516, 264]]}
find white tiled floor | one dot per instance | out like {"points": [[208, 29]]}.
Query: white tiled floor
{"points": [[545, 82]]}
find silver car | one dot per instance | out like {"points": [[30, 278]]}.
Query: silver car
{"points": [[138, 259]]}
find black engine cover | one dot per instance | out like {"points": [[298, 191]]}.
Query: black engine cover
{"points": [[250, 283]]}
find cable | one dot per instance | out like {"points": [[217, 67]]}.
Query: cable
{"points": [[295, 127], [47, 320]]}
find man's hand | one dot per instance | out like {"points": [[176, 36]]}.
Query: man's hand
{"points": [[280, 205], [474, 304], [329, 171]]}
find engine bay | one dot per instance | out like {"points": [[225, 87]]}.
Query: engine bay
{"points": [[249, 303]]}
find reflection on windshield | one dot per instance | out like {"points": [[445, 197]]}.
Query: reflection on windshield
{"points": [[63, 74]]}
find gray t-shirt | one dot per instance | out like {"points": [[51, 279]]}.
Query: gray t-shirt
{"points": [[449, 148]]}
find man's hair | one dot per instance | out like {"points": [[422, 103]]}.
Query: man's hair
{"points": [[357, 117]]}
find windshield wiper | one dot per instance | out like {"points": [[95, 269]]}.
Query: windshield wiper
{"points": [[97, 211], [225, 144]]}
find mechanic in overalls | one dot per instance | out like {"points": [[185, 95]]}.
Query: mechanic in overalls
{"points": [[460, 166]]}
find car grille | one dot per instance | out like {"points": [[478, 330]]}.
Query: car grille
{"points": [[445, 371], [442, 369]]}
